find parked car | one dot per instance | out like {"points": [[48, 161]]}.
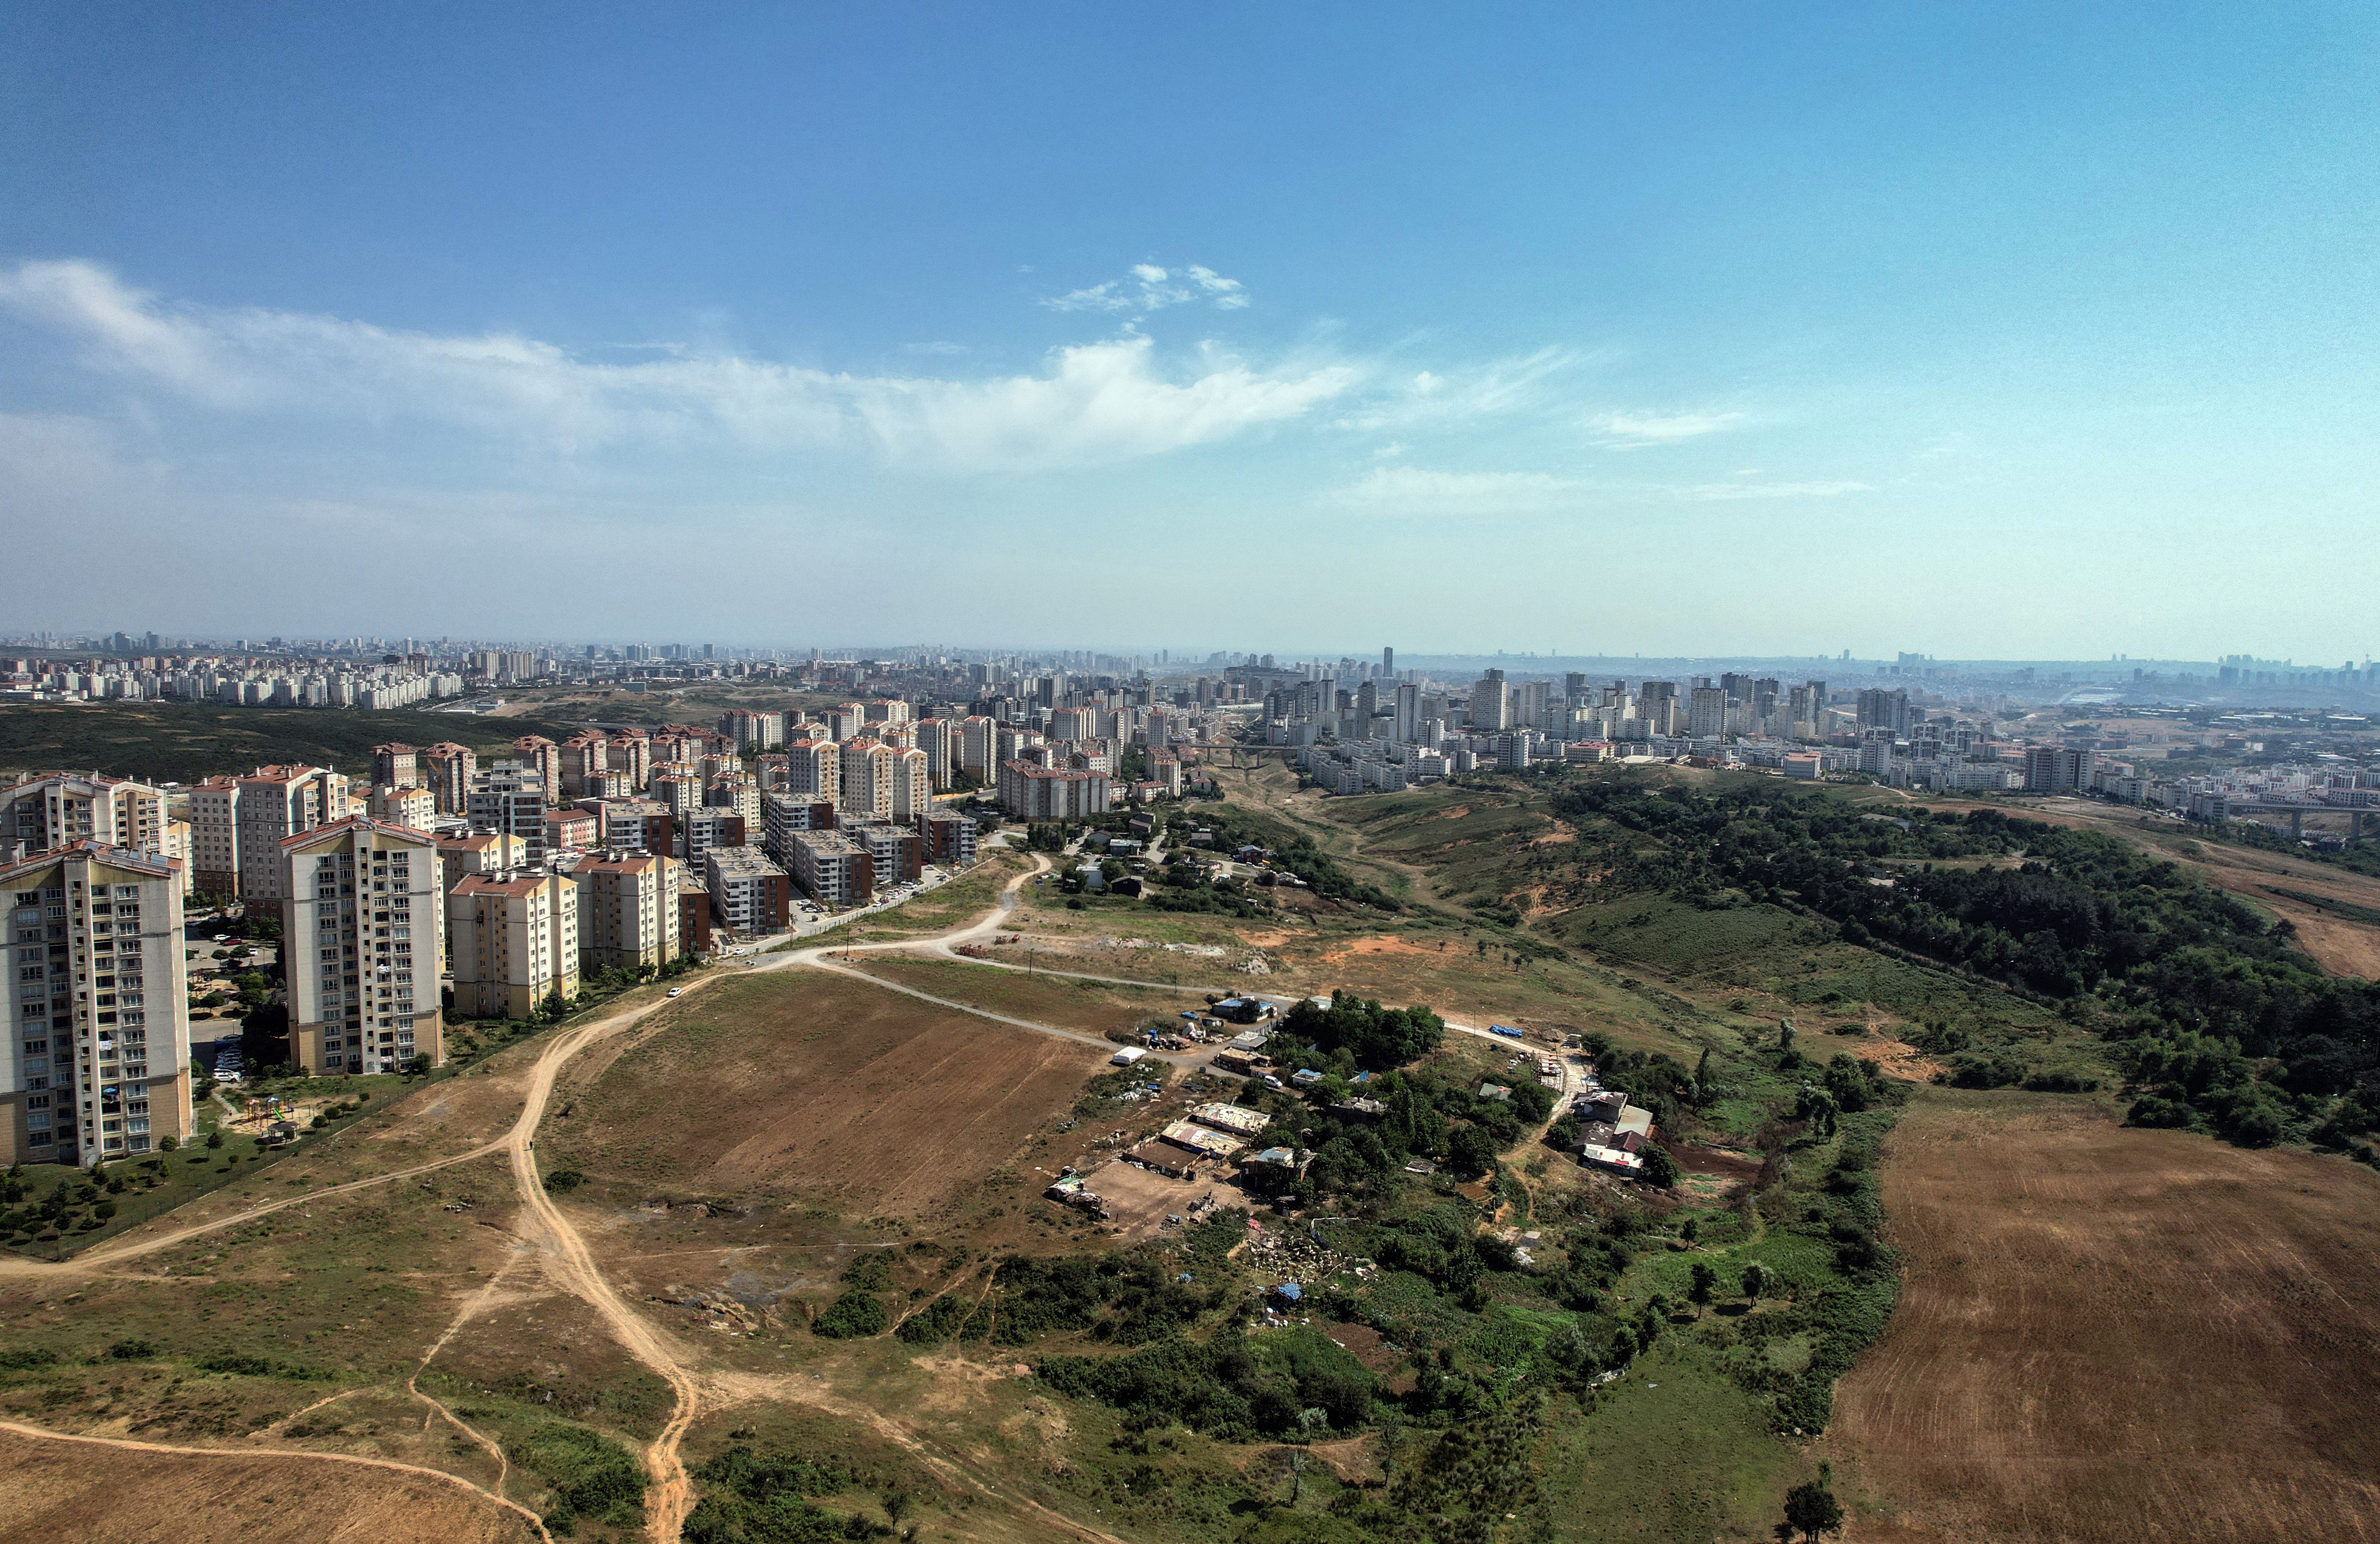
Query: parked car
{"points": [[675, 990]]}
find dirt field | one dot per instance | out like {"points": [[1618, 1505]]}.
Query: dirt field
{"points": [[109, 1495], [2115, 1336], [860, 1099], [1140, 1199]]}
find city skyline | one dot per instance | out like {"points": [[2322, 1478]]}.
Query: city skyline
{"points": [[1711, 337]]}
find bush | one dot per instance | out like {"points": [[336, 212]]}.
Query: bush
{"points": [[588, 1471], [853, 1316], [561, 1182], [133, 1350]]}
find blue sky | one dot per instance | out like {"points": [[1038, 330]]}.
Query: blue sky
{"points": [[2026, 331]]}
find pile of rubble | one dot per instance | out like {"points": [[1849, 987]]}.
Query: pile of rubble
{"points": [[1293, 1257]]}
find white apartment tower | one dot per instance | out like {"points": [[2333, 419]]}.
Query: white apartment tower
{"points": [[866, 792], [97, 1063], [362, 945], [912, 786]]}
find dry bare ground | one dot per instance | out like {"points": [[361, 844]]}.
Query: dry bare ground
{"points": [[842, 1090], [2111, 1334], [101, 1493]]}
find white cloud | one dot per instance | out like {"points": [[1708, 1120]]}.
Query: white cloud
{"points": [[1629, 431], [1098, 402], [1710, 492], [1147, 287], [1419, 491], [1413, 490], [1495, 388]]}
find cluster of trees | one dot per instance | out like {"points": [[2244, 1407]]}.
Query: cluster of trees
{"points": [[1377, 1038], [2216, 1016], [1294, 1381]]}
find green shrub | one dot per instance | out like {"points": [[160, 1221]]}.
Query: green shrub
{"points": [[853, 1316], [588, 1471]]}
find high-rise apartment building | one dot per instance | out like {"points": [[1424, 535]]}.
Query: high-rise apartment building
{"points": [[635, 825], [751, 731], [543, 757], [814, 770], [397, 766], [705, 827], [867, 791], [362, 945], [628, 910], [509, 797], [39, 814], [399, 805], [1881, 709], [1032, 793], [2055, 769], [939, 739], [912, 792], [978, 745], [586, 758], [448, 768], [515, 942], [1492, 703], [832, 869], [1706, 712], [215, 836], [97, 1063], [273, 803], [632, 753], [749, 893]]}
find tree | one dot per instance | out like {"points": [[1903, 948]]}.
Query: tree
{"points": [[1703, 1280], [1471, 1151], [1661, 1169], [1811, 1509], [1817, 1106], [214, 1138], [1755, 1279]]}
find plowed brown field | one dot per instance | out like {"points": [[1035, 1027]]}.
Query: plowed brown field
{"points": [[2110, 1334], [860, 1098]]}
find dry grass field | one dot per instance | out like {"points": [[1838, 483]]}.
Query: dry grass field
{"points": [[2111, 1334], [109, 1495], [860, 1100]]}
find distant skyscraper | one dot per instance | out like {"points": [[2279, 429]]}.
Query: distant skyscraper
{"points": [[1388, 661]]}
